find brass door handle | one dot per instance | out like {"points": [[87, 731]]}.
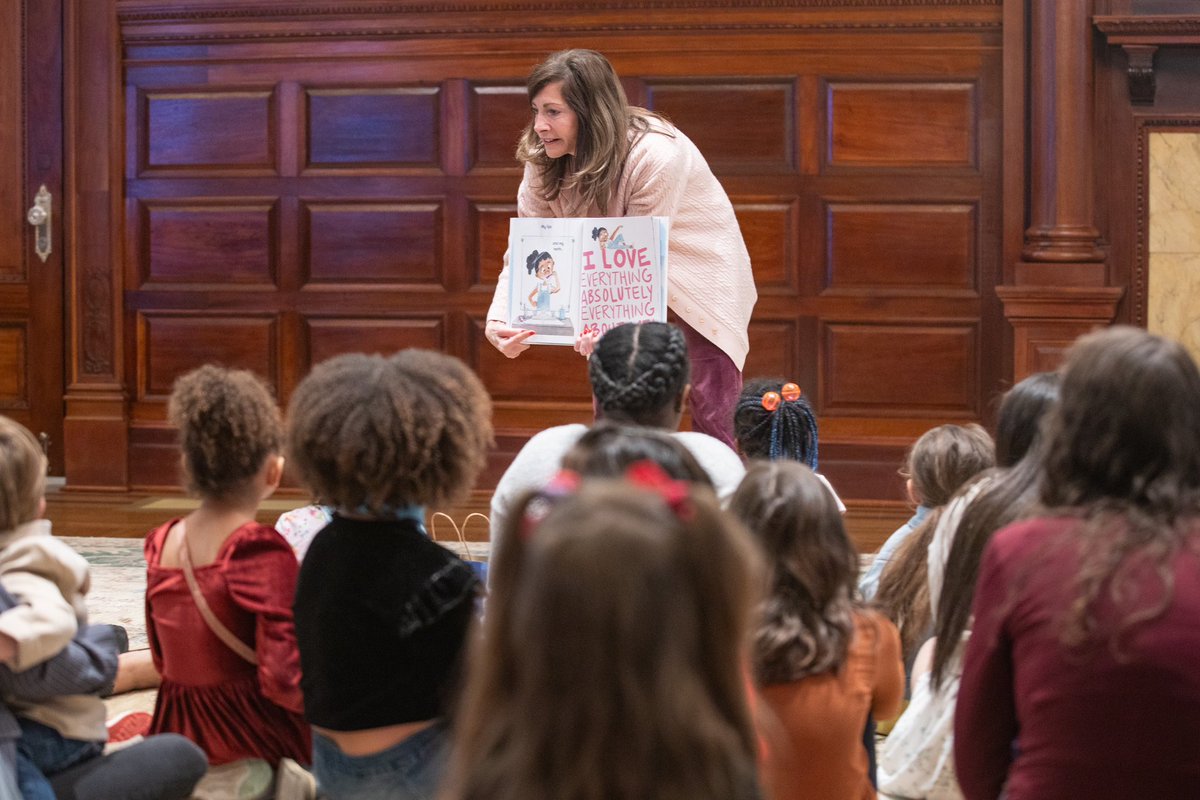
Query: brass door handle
{"points": [[39, 216]]}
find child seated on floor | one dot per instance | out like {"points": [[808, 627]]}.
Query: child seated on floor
{"points": [[938, 463], [163, 767], [774, 420], [611, 663], [382, 612], [48, 580], [639, 374], [822, 661], [219, 585], [917, 758], [942, 460]]}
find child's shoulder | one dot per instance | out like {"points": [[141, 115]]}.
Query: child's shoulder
{"points": [[873, 620], [557, 436], [300, 525], [33, 548], [255, 538], [252, 538], [153, 543]]}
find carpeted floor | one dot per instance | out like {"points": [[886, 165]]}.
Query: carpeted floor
{"points": [[118, 583]]}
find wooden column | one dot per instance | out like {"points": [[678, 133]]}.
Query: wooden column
{"points": [[1062, 267], [96, 426], [1061, 226]]}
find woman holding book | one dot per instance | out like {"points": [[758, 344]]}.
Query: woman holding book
{"points": [[587, 152]]}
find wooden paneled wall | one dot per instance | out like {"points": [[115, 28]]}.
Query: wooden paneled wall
{"points": [[301, 181]]}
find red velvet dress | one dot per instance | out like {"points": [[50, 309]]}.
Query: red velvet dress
{"points": [[226, 705]]}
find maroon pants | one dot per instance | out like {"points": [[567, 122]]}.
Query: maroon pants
{"points": [[716, 384]]}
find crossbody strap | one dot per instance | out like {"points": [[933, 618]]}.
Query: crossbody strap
{"points": [[210, 619]]}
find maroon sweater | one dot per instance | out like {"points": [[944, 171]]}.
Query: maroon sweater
{"points": [[1060, 723]]}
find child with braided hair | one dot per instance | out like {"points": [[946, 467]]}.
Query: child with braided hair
{"points": [[774, 420], [640, 376]]}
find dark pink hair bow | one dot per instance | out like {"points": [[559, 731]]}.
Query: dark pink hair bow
{"points": [[649, 475]]}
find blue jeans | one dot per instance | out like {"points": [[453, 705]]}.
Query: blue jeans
{"points": [[410, 770], [42, 751]]}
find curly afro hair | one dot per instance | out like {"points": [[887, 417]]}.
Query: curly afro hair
{"points": [[376, 433], [228, 425]]}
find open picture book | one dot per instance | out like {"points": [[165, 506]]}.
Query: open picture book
{"points": [[573, 275]]}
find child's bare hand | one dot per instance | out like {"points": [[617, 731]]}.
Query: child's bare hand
{"points": [[8, 649], [585, 344]]}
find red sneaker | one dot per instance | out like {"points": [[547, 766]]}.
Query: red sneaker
{"points": [[128, 725]]}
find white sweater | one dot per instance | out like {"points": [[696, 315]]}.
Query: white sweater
{"points": [[542, 455], [711, 283]]}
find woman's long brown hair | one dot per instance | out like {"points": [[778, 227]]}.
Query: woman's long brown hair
{"points": [[608, 126], [611, 660], [1123, 455]]}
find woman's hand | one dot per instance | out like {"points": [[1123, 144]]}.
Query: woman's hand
{"points": [[585, 343], [509, 341]]}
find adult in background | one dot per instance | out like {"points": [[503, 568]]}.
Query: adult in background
{"points": [[587, 152], [1082, 673]]}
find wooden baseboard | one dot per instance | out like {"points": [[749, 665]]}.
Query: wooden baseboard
{"points": [[133, 514]]}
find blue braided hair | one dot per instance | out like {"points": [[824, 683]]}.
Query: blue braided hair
{"points": [[790, 431]]}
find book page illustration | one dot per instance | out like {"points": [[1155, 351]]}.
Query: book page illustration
{"points": [[571, 275], [543, 301]]}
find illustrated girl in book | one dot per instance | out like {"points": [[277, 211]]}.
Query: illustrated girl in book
{"points": [[609, 241], [541, 265]]}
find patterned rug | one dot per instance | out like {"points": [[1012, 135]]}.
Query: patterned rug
{"points": [[119, 581]]}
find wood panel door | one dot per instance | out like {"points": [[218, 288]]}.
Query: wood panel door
{"points": [[31, 307]]}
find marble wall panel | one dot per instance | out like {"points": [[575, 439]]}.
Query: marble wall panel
{"points": [[1173, 293]]}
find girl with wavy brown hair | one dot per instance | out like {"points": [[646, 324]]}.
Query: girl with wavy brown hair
{"points": [[823, 662], [1082, 674], [588, 153]]}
